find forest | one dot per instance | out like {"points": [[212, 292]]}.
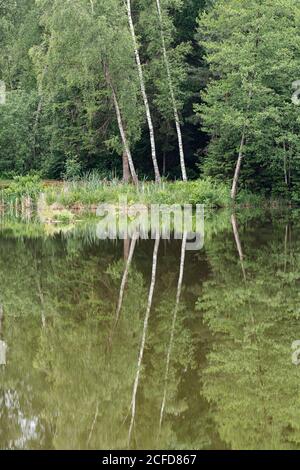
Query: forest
{"points": [[153, 90]]}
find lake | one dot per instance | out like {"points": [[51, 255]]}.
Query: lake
{"points": [[90, 359]]}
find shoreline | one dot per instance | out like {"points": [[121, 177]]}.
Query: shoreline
{"points": [[85, 196]]}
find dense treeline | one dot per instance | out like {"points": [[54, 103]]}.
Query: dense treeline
{"points": [[210, 82]]}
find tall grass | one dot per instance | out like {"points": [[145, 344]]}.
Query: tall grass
{"points": [[91, 191]]}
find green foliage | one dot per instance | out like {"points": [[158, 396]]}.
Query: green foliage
{"points": [[249, 379], [24, 186], [72, 168], [251, 49], [59, 102], [16, 143], [93, 191], [237, 66], [230, 380], [64, 217], [176, 53], [58, 320]]}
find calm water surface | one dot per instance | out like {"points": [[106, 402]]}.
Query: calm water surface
{"points": [[91, 361]]}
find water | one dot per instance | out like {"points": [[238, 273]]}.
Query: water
{"points": [[215, 369]]}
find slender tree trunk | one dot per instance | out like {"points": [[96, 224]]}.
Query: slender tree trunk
{"points": [[171, 88], [39, 108], [126, 248], [285, 246], [93, 424], [129, 257], [37, 116], [285, 165], [144, 94], [41, 295], [290, 174], [1, 319], [126, 169], [3, 345], [238, 243], [179, 288], [121, 127], [125, 278], [238, 167], [144, 335], [241, 152]]}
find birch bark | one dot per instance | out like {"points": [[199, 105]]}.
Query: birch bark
{"points": [[121, 126], [172, 334], [172, 94], [238, 167], [144, 335], [143, 91]]}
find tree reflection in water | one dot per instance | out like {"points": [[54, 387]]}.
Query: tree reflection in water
{"points": [[202, 361]]}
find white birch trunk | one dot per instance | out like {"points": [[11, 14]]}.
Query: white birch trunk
{"points": [[126, 169], [144, 94], [240, 156], [121, 127], [39, 108], [3, 345], [37, 117], [41, 295], [286, 178], [238, 168], [1, 318], [285, 246], [179, 288], [125, 278], [93, 424], [143, 341], [238, 243], [171, 88]]}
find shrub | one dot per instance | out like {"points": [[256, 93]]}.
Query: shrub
{"points": [[24, 186], [64, 217], [72, 168]]}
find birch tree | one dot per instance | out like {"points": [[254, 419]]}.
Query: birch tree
{"points": [[173, 326], [246, 106], [127, 151], [238, 243], [123, 285], [172, 94], [3, 345], [100, 64], [167, 72], [126, 156], [144, 337], [143, 91]]}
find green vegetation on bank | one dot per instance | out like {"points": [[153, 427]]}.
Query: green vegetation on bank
{"points": [[23, 186], [88, 192], [47, 223]]}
